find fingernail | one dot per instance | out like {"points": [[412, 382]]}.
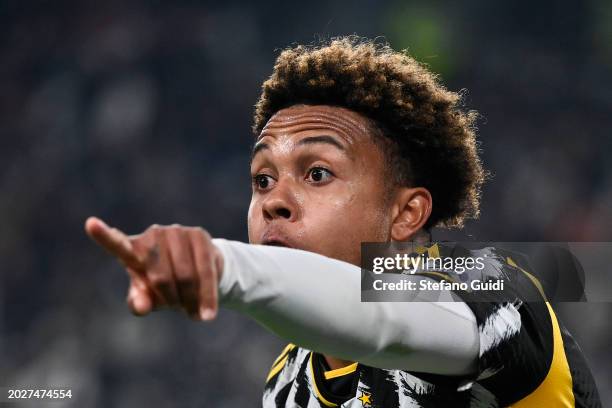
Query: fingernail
{"points": [[207, 314], [142, 305]]}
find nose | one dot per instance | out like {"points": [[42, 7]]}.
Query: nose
{"points": [[280, 203]]}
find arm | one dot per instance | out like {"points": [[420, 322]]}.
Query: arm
{"points": [[314, 301], [308, 299]]}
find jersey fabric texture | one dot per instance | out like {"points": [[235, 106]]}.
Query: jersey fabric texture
{"points": [[526, 359]]}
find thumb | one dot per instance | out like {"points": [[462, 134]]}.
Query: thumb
{"points": [[139, 300]]}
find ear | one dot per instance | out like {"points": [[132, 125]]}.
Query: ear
{"points": [[411, 210]]}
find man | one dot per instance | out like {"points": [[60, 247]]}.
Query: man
{"points": [[357, 143]]}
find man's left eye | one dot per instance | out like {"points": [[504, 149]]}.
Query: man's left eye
{"points": [[319, 174]]}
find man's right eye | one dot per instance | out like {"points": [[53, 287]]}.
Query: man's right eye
{"points": [[262, 181]]}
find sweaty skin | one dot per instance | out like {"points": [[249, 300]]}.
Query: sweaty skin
{"points": [[319, 185], [323, 195]]}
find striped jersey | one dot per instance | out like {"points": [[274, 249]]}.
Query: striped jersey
{"points": [[526, 358]]}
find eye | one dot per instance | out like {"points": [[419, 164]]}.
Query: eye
{"points": [[263, 181], [319, 175]]}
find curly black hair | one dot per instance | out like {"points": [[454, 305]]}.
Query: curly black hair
{"points": [[430, 140]]}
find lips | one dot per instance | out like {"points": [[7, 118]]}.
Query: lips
{"points": [[276, 243], [276, 238]]}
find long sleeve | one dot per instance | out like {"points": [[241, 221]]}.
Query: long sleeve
{"points": [[314, 301]]}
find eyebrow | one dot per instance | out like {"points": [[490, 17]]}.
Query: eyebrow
{"points": [[326, 139]]}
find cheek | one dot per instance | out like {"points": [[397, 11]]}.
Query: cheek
{"points": [[367, 213], [254, 223], [355, 214], [341, 224]]}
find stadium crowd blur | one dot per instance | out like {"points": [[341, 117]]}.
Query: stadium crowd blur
{"points": [[141, 114]]}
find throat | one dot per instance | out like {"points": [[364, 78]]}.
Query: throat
{"points": [[336, 363]]}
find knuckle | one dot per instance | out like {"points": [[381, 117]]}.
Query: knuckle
{"points": [[177, 231], [200, 231], [151, 231], [159, 232]]}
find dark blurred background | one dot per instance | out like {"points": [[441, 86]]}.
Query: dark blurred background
{"points": [[140, 113]]}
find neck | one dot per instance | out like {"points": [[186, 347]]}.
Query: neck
{"points": [[335, 363]]}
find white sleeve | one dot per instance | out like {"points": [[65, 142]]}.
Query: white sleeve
{"points": [[315, 302]]}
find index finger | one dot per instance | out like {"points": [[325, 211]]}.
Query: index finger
{"points": [[114, 241]]}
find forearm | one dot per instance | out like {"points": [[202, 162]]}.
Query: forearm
{"points": [[314, 301]]}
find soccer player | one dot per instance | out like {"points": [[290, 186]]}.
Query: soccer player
{"points": [[358, 143]]}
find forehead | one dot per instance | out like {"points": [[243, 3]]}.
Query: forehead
{"points": [[350, 125]]}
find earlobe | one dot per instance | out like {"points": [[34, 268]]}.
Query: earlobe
{"points": [[413, 207]]}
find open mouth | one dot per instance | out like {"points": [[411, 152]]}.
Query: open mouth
{"points": [[276, 243]]}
